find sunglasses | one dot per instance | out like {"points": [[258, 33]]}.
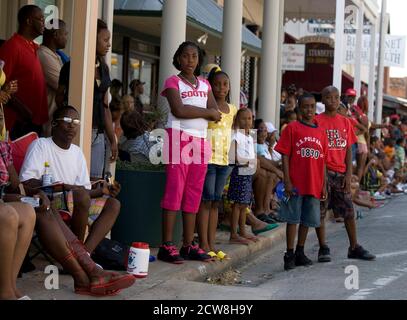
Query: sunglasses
{"points": [[70, 120]]}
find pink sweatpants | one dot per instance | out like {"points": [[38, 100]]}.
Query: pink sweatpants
{"points": [[185, 171]]}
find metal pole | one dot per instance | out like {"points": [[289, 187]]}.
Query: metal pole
{"points": [[339, 29], [372, 69], [379, 90], [358, 54]]}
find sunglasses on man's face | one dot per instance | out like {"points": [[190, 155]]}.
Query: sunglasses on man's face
{"points": [[70, 120]]}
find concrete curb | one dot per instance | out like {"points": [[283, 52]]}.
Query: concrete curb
{"points": [[237, 254], [194, 271]]}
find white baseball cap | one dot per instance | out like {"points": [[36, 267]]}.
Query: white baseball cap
{"points": [[320, 108], [270, 127]]}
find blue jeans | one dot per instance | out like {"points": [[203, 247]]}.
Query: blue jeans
{"points": [[98, 154], [215, 182], [354, 151]]}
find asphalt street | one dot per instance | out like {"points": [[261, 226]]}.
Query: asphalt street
{"points": [[381, 231]]}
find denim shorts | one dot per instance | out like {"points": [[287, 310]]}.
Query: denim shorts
{"points": [[303, 210], [215, 182]]}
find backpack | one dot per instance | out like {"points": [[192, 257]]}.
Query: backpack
{"points": [[111, 255]]}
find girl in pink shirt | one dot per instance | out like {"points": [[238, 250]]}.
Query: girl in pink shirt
{"points": [[192, 105]]}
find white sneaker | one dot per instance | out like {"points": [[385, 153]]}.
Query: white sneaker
{"points": [[379, 196]]}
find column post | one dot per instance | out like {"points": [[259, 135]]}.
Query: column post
{"points": [[82, 74], [232, 45], [339, 30], [173, 33], [358, 51], [269, 61]]}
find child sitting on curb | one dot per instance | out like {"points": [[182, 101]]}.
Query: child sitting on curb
{"points": [[361, 198]]}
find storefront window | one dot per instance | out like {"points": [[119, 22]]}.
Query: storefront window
{"points": [[117, 67], [134, 69], [145, 76], [143, 65], [140, 69], [44, 3]]}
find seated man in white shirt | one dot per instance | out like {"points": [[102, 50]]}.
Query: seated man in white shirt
{"points": [[68, 165]]}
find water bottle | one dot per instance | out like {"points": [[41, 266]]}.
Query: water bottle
{"points": [[138, 260], [47, 180], [280, 192]]}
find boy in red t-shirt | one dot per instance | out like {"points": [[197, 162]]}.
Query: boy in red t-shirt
{"points": [[304, 147], [341, 136]]}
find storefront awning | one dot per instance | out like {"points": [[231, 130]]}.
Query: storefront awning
{"points": [[324, 10], [396, 100], [394, 104], [204, 16]]}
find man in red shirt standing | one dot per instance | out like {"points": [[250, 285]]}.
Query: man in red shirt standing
{"points": [[304, 147], [341, 137], [28, 109]]}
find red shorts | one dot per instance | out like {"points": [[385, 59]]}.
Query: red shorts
{"points": [[186, 168]]}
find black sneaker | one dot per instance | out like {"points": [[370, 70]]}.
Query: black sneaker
{"points": [[324, 254], [289, 261], [168, 252], [302, 260], [360, 253], [193, 252]]}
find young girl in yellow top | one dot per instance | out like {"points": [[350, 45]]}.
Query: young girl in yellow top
{"points": [[219, 134]]}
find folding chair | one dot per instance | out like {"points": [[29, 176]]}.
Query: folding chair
{"points": [[19, 148]]}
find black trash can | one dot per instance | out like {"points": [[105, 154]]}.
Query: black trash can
{"points": [[140, 215]]}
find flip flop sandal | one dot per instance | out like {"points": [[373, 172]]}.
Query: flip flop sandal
{"points": [[222, 256], [87, 292], [265, 229], [212, 254], [103, 287]]}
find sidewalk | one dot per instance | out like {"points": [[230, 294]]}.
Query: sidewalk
{"points": [[163, 276], [160, 272]]}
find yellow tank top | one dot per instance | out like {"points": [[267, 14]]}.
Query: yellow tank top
{"points": [[220, 136]]}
